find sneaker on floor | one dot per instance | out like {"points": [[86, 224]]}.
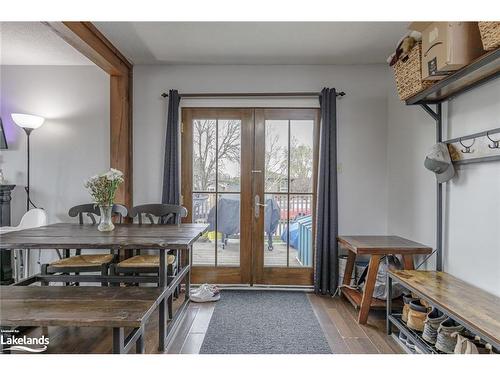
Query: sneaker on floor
{"points": [[211, 287], [431, 325], [205, 294], [446, 341]]}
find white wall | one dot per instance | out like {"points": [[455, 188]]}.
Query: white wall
{"points": [[472, 198], [362, 116], [73, 143]]}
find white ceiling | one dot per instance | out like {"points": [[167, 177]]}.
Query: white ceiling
{"points": [[254, 42], [33, 43]]}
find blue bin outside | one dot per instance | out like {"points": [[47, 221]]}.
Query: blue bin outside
{"points": [[305, 240]]}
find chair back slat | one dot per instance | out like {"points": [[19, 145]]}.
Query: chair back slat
{"points": [[164, 213], [92, 211]]}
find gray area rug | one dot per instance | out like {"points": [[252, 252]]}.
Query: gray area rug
{"points": [[264, 322]]}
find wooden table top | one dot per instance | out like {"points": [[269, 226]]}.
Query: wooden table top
{"points": [[473, 306], [83, 306], [125, 236], [382, 245]]}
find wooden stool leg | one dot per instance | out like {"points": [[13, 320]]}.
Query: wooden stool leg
{"points": [[369, 286], [408, 262], [351, 258]]}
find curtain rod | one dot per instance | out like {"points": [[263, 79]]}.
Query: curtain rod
{"points": [[255, 94]]}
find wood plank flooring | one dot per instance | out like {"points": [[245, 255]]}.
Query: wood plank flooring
{"points": [[335, 315]]}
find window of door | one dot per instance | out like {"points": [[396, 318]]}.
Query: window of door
{"points": [[250, 174]]}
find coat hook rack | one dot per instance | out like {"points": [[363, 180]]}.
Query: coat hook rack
{"points": [[467, 149], [495, 143]]}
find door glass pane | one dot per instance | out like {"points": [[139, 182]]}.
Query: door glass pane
{"points": [[276, 158], [217, 153], [300, 231], [275, 230], [229, 154], [228, 228], [301, 156], [204, 154], [204, 248]]}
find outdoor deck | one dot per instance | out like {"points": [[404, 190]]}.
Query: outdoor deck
{"points": [[204, 254]]}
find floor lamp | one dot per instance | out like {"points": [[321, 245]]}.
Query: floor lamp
{"points": [[28, 123]]}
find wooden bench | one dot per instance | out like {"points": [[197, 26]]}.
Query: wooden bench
{"points": [[87, 306], [477, 310]]}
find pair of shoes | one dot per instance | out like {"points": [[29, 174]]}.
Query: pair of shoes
{"points": [[205, 293], [407, 298], [448, 331], [431, 325], [417, 315]]}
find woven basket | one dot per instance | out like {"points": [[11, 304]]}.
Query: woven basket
{"points": [[408, 74], [490, 34]]}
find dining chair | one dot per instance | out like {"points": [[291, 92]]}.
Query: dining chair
{"points": [[36, 217], [79, 262], [157, 214]]}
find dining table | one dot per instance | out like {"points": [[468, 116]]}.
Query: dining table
{"points": [[164, 239]]}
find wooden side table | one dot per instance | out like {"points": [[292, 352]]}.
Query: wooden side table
{"points": [[376, 247]]}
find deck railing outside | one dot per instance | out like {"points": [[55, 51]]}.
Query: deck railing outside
{"points": [[300, 205]]}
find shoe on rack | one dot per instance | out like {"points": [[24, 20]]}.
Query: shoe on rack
{"points": [[407, 298], [431, 325], [205, 293], [446, 341], [402, 337], [416, 316], [464, 345], [411, 346]]}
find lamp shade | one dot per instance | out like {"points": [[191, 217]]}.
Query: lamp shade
{"points": [[27, 121]]}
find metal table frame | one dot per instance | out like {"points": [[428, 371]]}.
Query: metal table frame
{"points": [[165, 329]]}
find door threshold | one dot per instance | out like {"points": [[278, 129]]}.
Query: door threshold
{"points": [[294, 288]]}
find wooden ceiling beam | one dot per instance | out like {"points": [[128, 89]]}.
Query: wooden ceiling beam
{"points": [[89, 41]]}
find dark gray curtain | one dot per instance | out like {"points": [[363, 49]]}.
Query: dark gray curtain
{"points": [[326, 267], [171, 166]]}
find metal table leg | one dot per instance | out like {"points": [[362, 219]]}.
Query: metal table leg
{"points": [[139, 344], [188, 276], [162, 323], [389, 305], [118, 340]]}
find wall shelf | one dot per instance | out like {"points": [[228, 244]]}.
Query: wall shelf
{"points": [[482, 70]]}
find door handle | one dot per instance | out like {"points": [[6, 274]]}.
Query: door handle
{"points": [[258, 205]]}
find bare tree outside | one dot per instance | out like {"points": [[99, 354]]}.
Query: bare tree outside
{"points": [[204, 147], [229, 144], [301, 165]]}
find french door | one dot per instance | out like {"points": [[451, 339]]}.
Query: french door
{"points": [[250, 174]]}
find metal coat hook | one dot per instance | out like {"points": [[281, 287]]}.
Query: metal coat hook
{"points": [[467, 148], [496, 144]]}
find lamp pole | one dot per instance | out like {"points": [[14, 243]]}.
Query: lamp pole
{"points": [[27, 187]]}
